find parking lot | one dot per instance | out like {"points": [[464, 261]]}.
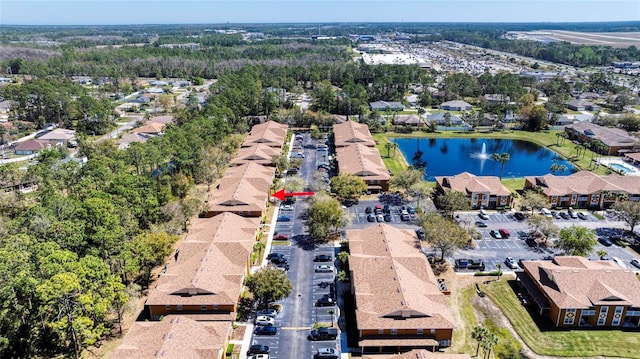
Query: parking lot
{"points": [[493, 251]]}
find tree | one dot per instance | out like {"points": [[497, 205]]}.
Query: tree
{"points": [[533, 200], [453, 201], [629, 212], [503, 158], [577, 241], [294, 184], [269, 285], [325, 216], [442, 234], [348, 186], [419, 191], [406, 179], [601, 253], [478, 333], [488, 342], [544, 225]]}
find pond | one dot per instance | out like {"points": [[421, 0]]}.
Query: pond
{"points": [[451, 156]]}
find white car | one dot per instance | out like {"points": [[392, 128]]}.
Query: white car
{"points": [[287, 207], [511, 263], [264, 320], [635, 262], [324, 268], [271, 313], [619, 262], [259, 356]]}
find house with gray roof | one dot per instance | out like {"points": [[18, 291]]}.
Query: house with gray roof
{"points": [[456, 105], [386, 106], [615, 140]]}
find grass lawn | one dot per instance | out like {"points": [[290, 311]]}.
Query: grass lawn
{"points": [[560, 343], [395, 163]]}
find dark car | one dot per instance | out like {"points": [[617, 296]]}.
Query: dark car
{"points": [[274, 255], [481, 224], [582, 216], [388, 217], [386, 208], [266, 330], [279, 260], [323, 334], [368, 210], [483, 216], [531, 242], [258, 349], [405, 217], [284, 219], [564, 215], [325, 301], [519, 216], [371, 217], [323, 258], [420, 233], [605, 241]]}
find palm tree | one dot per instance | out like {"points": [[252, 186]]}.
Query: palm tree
{"points": [[488, 342], [503, 159], [495, 157], [601, 253], [388, 146], [330, 312], [395, 146], [478, 334]]}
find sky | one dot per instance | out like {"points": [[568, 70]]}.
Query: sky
{"points": [[116, 12]]}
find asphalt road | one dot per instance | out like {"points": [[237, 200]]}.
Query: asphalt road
{"points": [[299, 312]]}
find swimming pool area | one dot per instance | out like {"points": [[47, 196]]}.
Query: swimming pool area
{"points": [[620, 166]]}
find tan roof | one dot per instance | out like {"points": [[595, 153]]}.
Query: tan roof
{"points": [[609, 136], [167, 119], [634, 156], [361, 161], [350, 132], [270, 133], [130, 138], [417, 354], [59, 134], [413, 120], [210, 265], [468, 183], [392, 279], [576, 282], [250, 170], [585, 182], [260, 153], [152, 127], [173, 337], [240, 195]]}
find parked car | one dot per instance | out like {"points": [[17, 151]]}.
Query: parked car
{"points": [[265, 330], [281, 266], [275, 255], [531, 242], [279, 259], [326, 353], [495, 234], [472, 264], [264, 320], [386, 208], [582, 216], [371, 217], [411, 209], [519, 216], [420, 233], [269, 312], [284, 219], [483, 216], [323, 258], [564, 215], [323, 334], [287, 207], [258, 349], [481, 224], [388, 217], [368, 210], [404, 217], [605, 241], [635, 262], [297, 155], [619, 262], [325, 301], [573, 214], [379, 218], [504, 233], [258, 356], [511, 263], [324, 268], [281, 237]]}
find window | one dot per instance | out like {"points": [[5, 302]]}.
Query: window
{"points": [[203, 307], [179, 306], [419, 331], [433, 330], [394, 331], [569, 315], [381, 331], [588, 312], [215, 307], [167, 306], [617, 316], [602, 317]]}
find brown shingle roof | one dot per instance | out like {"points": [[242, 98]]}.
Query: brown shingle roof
{"points": [[30, 145], [350, 132], [210, 265], [576, 282], [392, 279], [269, 133], [239, 196], [585, 182], [260, 153], [167, 119], [417, 354], [361, 161], [612, 137], [174, 337], [468, 183], [152, 127]]}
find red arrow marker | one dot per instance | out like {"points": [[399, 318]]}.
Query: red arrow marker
{"points": [[281, 195]]}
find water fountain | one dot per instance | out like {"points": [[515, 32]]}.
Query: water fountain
{"points": [[482, 155]]}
